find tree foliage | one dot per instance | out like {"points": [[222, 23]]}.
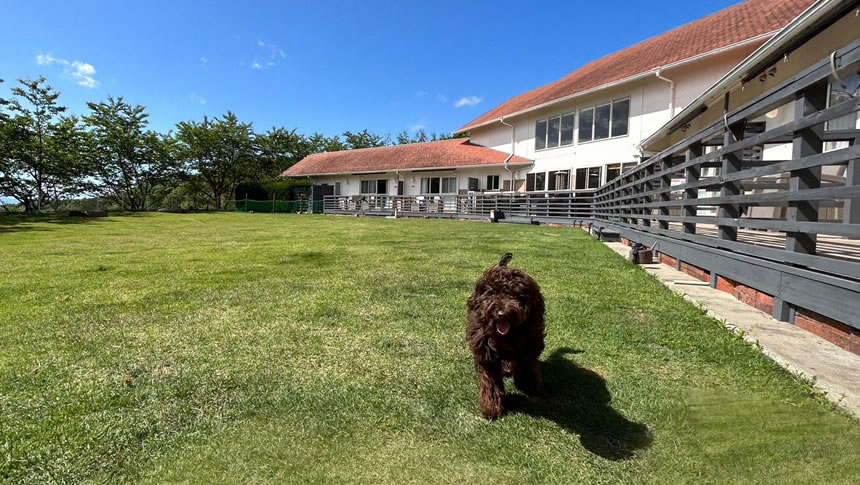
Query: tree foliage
{"points": [[41, 158], [48, 158], [218, 154], [129, 160]]}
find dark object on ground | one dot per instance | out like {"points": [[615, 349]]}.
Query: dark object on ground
{"points": [[173, 210], [97, 213], [505, 331], [640, 254], [77, 214], [496, 215], [578, 400]]}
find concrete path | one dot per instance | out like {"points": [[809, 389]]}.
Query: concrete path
{"points": [[834, 370]]}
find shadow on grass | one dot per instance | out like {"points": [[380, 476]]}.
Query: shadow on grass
{"points": [[577, 399], [40, 223]]}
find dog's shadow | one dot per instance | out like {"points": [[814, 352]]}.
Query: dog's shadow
{"points": [[577, 399]]}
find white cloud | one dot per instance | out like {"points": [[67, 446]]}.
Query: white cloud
{"points": [[81, 72], [468, 101], [416, 127], [197, 99], [442, 98], [204, 61], [421, 94], [273, 53]]}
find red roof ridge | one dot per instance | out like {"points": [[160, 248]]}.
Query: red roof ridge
{"points": [[727, 28], [456, 152]]}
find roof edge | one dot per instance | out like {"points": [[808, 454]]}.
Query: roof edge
{"points": [[618, 82], [424, 169], [732, 79]]}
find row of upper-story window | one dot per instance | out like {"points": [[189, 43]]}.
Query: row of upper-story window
{"points": [[607, 120]]}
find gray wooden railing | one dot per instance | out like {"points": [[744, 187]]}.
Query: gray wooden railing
{"points": [[563, 207], [807, 258]]}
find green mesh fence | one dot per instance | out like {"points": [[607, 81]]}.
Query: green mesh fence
{"points": [[285, 206]]}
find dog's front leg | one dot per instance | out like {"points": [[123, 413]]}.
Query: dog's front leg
{"points": [[527, 376], [491, 388]]}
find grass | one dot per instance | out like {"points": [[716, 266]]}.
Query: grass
{"points": [[234, 348]]}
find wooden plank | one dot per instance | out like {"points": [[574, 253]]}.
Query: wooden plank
{"points": [[813, 119], [828, 265]]}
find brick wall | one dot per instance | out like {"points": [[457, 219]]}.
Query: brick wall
{"points": [[666, 259], [840, 334], [696, 272]]}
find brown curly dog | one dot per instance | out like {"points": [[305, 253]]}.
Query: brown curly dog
{"points": [[505, 330]]}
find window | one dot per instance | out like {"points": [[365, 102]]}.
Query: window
{"points": [[473, 184], [588, 178], [438, 185], [604, 121], [620, 117], [540, 135], [554, 132], [373, 186], [337, 188], [586, 122], [536, 181], [492, 182], [840, 92], [559, 180], [601, 121], [594, 177], [567, 129], [616, 169]]}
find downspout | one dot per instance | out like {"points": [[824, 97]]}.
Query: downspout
{"points": [[508, 159], [671, 92]]}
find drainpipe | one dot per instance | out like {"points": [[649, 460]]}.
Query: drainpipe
{"points": [[671, 92], [508, 159]]}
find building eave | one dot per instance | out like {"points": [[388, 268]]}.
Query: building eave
{"points": [[635, 77]]}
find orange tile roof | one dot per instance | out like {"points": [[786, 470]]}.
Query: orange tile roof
{"points": [[729, 26], [459, 152]]}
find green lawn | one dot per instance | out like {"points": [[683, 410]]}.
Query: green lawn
{"points": [[266, 348]]}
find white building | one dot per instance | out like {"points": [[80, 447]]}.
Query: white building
{"points": [[572, 134]]}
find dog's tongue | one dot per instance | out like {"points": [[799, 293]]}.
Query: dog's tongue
{"points": [[503, 327]]}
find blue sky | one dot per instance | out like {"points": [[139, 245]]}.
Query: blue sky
{"points": [[316, 65]]}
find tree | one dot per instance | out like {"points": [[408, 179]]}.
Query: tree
{"points": [[363, 139], [218, 153], [280, 149], [128, 160], [40, 158]]}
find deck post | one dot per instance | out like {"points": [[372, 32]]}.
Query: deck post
{"points": [[806, 142], [732, 162], [851, 210], [665, 184], [691, 176], [649, 186]]}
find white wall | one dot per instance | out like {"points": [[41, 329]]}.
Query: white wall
{"points": [[351, 184], [649, 110]]}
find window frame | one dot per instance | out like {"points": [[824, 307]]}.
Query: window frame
{"points": [[588, 170], [496, 186], [593, 109], [439, 179], [546, 122]]}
